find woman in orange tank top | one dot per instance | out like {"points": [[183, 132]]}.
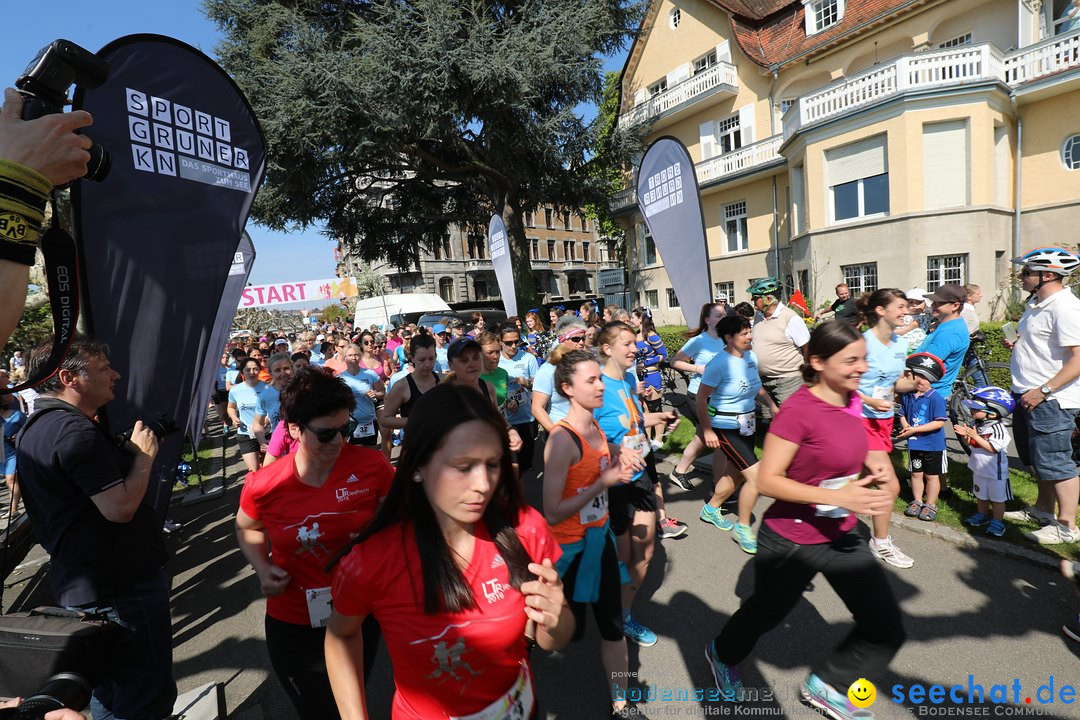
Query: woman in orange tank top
{"points": [[578, 470]]}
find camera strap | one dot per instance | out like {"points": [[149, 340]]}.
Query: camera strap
{"points": [[62, 276]]}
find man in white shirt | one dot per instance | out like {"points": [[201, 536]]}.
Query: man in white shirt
{"points": [[779, 338], [1045, 367]]}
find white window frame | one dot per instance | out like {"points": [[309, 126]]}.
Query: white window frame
{"points": [[728, 288], [449, 286], [729, 129], [863, 215], [674, 18], [957, 41], [1070, 152], [814, 10], [736, 212], [660, 86], [534, 248], [652, 299], [672, 299], [704, 62], [942, 269], [860, 278]]}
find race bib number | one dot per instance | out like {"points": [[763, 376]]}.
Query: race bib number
{"points": [[832, 511], [595, 511], [318, 606], [516, 704], [747, 423], [364, 430], [639, 442]]}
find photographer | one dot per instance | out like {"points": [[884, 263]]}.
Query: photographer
{"points": [[35, 155], [84, 493]]}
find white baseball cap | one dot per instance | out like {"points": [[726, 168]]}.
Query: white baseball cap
{"points": [[917, 294], [320, 337]]}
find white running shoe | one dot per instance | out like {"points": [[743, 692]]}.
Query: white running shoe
{"points": [[1054, 534], [886, 550], [1031, 514]]}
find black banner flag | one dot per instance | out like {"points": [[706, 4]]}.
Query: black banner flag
{"points": [[157, 237]]}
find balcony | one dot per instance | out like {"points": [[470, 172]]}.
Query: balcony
{"points": [[623, 200], [742, 160], [540, 264], [608, 265], [481, 264], [719, 81], [1048, 57], [573, 265]]}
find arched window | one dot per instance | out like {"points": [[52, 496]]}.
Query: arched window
{"points": [[446, 289]]}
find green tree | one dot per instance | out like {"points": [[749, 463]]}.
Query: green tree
{"points": [[389, 120]]}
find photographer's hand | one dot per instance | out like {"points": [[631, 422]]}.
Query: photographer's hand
{"points": [[47, 144], [144, 439]]}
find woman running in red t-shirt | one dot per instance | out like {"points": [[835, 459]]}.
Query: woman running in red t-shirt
{"points": [[457, 570]]}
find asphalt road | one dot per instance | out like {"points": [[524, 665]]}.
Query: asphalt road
{"points": [[967, 612]]}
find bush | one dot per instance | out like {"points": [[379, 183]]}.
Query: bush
{"points": [[673, 336], [996, 352]]}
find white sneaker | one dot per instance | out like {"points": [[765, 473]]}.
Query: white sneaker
{"points": [[1054, 534], [656, 444], [887, 551], [1031, 514]]}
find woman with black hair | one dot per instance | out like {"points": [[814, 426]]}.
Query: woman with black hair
{"points": [[456, 568], [294, 515], [815, 451]]}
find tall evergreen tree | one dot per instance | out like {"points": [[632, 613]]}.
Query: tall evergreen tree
{"points": [[391, 119]]}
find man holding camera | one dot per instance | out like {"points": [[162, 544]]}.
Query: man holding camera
{"points": [[84, 492]]}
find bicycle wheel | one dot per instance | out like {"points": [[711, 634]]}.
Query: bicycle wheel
{"points": [[1000, 374], [673, 384]]}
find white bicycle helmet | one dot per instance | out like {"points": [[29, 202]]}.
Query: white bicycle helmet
{"points": [[1049, 259]]}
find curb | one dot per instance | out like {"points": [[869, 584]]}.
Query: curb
{"points": [[998, 547]]}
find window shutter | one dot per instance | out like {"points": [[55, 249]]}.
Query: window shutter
{"points": [[798, 204], [746, 123], [640, 96], [862, 159], [677, 75], [708, 141], [945, 165], [723, 52], [1002, 179]]}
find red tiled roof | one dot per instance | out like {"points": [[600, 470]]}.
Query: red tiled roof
{"points": [[780, 37]]}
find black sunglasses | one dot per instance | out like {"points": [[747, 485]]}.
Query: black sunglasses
{"points": [[1026, 272], [325, 435], [511, 342]]}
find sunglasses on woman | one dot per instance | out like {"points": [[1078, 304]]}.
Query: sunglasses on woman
{"points": [[325, 435]]}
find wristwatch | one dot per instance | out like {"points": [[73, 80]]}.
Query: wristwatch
{"points": [[1046, 390]]}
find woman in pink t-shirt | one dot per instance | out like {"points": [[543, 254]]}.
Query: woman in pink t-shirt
{"points": [[814, 454]]}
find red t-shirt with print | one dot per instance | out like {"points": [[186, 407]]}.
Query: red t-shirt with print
{"points": [[444, 664], [308, 525]]}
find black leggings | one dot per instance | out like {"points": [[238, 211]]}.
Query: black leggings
{"points": [[527, 431], [608, 608], [296, 654], [782, 569]]}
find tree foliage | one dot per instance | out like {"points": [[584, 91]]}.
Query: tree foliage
{"points": [[391, 119]]}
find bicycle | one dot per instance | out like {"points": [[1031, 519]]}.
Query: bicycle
{"points": [[976, 370], [673, 384]]}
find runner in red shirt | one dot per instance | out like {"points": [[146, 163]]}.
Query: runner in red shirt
{"points": [[308, 506], [448, 566]]}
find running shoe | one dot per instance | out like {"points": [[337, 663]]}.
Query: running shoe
{"points": [[656, 445], [682, 480], [995, 528], [827, 699], [637, 632], [726, 677], [976, 520], [886, 550], [1031, 514], [669, 527], [744, 535], [1054, 534], [713, 515], [1072, 628]]}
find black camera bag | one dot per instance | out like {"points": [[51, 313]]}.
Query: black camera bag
{"points": [[36, 645]]}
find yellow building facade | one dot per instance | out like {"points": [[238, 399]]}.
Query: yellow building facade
{"points": [[882, 143]]}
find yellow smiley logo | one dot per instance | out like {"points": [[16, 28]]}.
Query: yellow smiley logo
{"points": [[862, 693]]}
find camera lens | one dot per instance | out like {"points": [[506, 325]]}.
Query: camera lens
{"points": [[100, 163]]}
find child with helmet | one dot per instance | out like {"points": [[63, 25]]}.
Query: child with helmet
{"points": [[923, 416], [989, 462]]}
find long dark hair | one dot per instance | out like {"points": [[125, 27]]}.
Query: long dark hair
{"points": [[435, 415], [703, 326], [827, 340], [647, 326], [869, 302]]}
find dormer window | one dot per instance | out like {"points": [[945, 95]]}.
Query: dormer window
{"points": [[822, 14]]}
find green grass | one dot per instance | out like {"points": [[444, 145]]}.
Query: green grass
{"points": [[208, 448], [677, 440]]}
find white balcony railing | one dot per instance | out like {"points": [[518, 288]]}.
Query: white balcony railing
{"points": [[540, 264], [1044, 58], [623, 199], [745, 158], [573, 265], [720, 76], [478, 264], [921, 71]]}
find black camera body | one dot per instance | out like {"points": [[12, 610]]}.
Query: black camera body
{"points": [[161, 426], [44, 86], [63, 690]]}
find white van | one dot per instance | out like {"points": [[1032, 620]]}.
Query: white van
{"points": [[396, 309]]}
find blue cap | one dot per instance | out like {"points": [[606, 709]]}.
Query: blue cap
{"points": [[438, 328]]}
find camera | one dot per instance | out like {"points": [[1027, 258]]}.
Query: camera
{"points": [[161, 426], [63, 690], [44, 86]]}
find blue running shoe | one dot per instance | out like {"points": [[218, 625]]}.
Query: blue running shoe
{"points": [[713, 515], [826, 698], [976, 520], [727, 678], [637, 632], [744, 535], [996, 528]]}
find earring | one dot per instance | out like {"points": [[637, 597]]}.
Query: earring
{"points": [[417, 477]]}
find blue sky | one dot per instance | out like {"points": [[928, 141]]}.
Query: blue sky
{"points": [[306, 255]]}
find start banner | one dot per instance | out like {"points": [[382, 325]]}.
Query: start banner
{"points": [[293, 292]]}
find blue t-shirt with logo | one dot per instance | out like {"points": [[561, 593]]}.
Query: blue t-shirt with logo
{"points": [[246, 399], [269, 405], [737, 384], [363, 381], [558, 406], [923, 409], [222, 376], [621, 414], [886, 365], [701, 349], [518, 405], [949, 343]]}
